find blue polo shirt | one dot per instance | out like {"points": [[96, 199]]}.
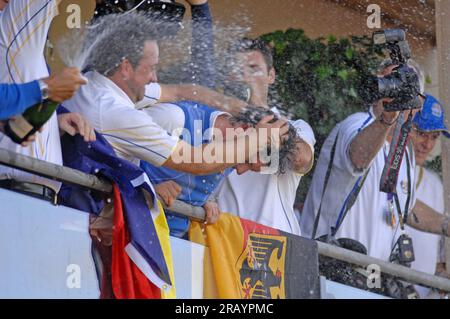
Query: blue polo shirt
{"points": [[195, 189]]}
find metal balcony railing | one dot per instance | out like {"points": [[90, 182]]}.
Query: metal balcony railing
{"points": [[75, 177]]}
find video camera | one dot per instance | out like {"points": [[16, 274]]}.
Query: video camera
{"points": [[402, 84]]}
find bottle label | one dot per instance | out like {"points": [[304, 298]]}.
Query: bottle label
{"points": [[20, 126]]}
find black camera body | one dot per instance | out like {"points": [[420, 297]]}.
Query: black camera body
{"points": [[402, 84]]}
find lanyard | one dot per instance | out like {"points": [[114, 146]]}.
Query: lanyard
{"points": [[393, 197]]}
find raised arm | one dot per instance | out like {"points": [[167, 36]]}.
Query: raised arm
{"points": [[203, 61], [201, 94], [185, 157], [366, 145]]}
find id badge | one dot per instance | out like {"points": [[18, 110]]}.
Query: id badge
{"points": [[389, 217]]}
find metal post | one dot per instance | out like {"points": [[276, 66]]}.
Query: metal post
{"points": [[443, 48], [52, 171]]}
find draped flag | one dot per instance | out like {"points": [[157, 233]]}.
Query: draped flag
{"points": [[246, 260], [142, 264]]}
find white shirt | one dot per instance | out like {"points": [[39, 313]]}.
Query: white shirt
{"points": [[365, 221], [266, 199], [172, 118], [152, 96], [430, 191], [133, 133], [24, 26]]}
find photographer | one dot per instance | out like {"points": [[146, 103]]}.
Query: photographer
{"points": [[353, 157], [362, 143]]}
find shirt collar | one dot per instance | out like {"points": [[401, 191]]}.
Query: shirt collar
{"points": [[103, 80]]}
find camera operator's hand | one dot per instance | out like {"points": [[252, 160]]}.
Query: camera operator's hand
{"points": [[388, 118], [196, 2], [388, 70], [63, 85]]}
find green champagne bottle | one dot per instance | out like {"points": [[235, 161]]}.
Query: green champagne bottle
{"points": [[31, 121]]}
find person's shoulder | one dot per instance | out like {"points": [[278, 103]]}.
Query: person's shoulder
{"points": [[359, 116], [356, 121], [300, 124], [195, 105], [167, 115], [167, 110]]}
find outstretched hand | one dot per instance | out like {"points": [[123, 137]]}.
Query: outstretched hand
{"points": [[74, 123]]}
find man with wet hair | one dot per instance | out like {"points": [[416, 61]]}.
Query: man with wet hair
{"points": [[200, 124], [119, 82], [252, 192], [196, 124]]}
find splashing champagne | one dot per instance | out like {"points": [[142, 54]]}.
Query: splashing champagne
{"points": [[20, 128]]}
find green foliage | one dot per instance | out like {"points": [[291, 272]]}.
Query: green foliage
{"points": [[318, 79]]}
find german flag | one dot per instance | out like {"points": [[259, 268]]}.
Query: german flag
{"points": [[246, 260]]}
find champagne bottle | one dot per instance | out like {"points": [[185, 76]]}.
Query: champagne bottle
{"points": [[25, 125]]}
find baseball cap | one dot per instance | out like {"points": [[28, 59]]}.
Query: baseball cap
{"points": [[432, 117]]}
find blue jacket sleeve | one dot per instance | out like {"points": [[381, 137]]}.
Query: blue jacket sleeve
{"points": [[203, 61], [16, 98]]}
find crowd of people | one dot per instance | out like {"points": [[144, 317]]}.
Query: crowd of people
{"points": [[154, 125]]}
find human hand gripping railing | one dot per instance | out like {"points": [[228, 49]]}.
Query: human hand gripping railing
{"points": [[75, 177]]}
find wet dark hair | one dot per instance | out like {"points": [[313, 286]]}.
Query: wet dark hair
{"points": [[252, 115], [259, 45]]}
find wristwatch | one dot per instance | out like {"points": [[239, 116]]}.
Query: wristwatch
{"points": [[44, 89]]}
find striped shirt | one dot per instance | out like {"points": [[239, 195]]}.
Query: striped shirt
{"points": [[24, 26], [132, 133]]}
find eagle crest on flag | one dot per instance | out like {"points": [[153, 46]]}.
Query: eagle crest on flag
{"points": [[261, 267]]}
